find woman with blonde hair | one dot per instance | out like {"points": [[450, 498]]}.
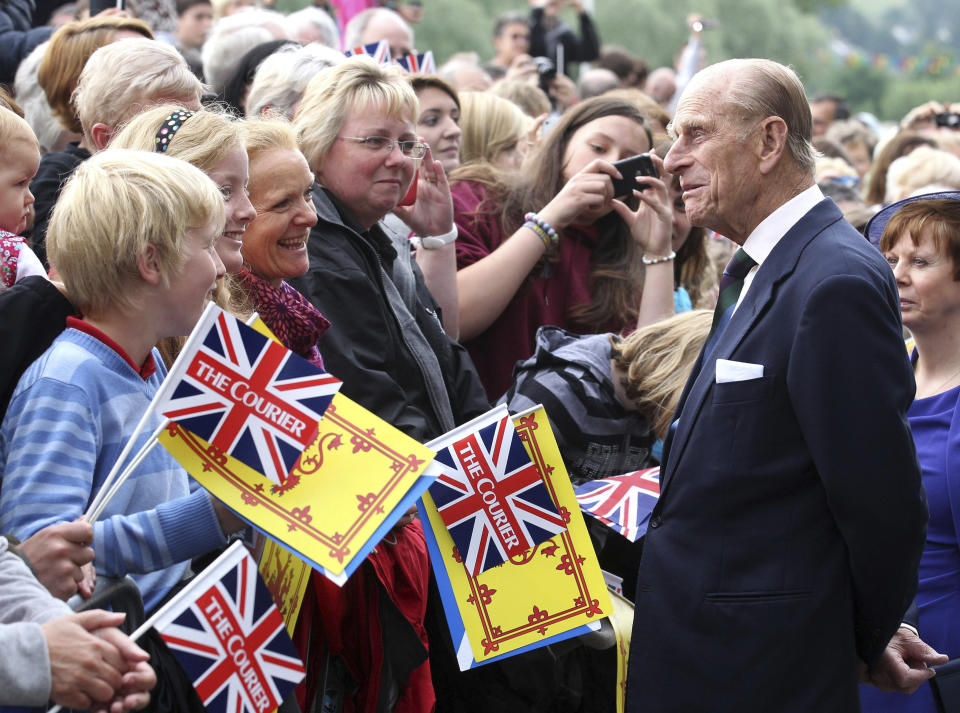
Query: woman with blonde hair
{"points": [[212, 141], [494, 132], [557, 245], [357, 127], [274, 248]]}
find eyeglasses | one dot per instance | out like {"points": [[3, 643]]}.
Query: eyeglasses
{"points": [[410, 149]]}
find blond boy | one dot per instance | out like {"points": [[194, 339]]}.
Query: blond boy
{"points": [[133, 238]]}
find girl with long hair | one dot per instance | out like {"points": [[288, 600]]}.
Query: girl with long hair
{"points": [[556, 246]]}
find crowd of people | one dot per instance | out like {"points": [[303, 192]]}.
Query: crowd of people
{"points": [[445, 241]]}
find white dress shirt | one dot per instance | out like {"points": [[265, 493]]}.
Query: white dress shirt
{"points": [[765, 236]]}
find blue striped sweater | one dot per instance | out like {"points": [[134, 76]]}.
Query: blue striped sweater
{"points": [[70, 416]]}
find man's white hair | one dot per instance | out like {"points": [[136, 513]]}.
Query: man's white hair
{"points": [[354, 30], [311, 24], [235, 35], [283, 77]]}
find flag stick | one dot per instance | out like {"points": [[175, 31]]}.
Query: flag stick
{"points": [[103, 497], [158, 397]]}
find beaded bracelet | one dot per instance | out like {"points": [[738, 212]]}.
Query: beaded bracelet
{"points": [[545, 228], [657, 260]]}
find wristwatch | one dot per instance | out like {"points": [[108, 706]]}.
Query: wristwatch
{"points": [[432, 242]]}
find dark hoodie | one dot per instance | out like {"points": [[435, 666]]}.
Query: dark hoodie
{"points": [[570, 375]]}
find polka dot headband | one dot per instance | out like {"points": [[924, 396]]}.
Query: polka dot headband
{"points": [[169, 127]]}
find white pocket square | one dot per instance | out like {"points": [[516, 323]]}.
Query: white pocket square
{"points": [[728, 371]]}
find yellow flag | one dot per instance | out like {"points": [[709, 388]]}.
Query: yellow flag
{"points": [[550, 589], [333, 505], [622, 619], [286, 576]]}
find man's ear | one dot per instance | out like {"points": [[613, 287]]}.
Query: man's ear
{"points": [[771, 142], [100, 134], [149, 266]]}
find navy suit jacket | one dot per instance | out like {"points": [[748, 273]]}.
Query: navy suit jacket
{"points": [[791, 518]]}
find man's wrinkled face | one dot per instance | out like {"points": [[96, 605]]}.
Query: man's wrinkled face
{"points": [[719, 176]]}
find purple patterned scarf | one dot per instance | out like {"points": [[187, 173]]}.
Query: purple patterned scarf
{"points": [[295, 322]]}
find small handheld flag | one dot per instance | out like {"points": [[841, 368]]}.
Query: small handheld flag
{"points": [[380, 51], [622, 502], [247, 395], [230, 638], [546, 594], [418, 63], [489, 493]]}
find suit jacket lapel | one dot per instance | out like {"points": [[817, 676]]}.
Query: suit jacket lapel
{"points": [[777, 267]]}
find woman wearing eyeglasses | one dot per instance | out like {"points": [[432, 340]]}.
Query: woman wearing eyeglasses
{"points": [[386, 343], [356, 124]]}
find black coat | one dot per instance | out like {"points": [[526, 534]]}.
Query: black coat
{"points": [[364, 347], [18, 36], [32, 314], [54, 170]]}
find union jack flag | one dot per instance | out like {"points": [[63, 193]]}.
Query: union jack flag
{"points": [[418, 63], [247, 395], [380, 51], [489, 493], [623, 502], [230, 638]]}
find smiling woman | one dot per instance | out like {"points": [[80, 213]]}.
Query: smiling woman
{"points": [[357, 126], [275, 243], [439, 120]]}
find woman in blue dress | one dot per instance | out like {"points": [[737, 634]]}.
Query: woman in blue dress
{"points": [[920, 238]]}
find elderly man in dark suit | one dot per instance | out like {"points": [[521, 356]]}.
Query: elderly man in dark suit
{"points": [[783, 551]]}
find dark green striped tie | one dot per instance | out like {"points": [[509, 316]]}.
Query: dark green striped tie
{"points": [[731, 285]]}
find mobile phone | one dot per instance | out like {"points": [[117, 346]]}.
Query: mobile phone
{"points": [[630, 168], [411, 196], [98, 6]]}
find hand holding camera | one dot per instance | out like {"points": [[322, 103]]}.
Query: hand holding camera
{"points": [[651, 224], [948, 120], [932, 115], [630, 168]]}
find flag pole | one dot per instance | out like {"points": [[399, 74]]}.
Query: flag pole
{"points": [[99, 505], [158, 397]]}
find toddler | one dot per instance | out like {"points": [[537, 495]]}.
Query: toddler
{"points": [[19, 158]]}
